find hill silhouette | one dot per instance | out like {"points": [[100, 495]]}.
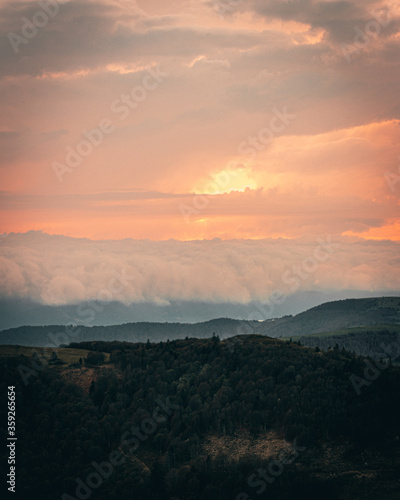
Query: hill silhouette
{"points": [[327, 317]]}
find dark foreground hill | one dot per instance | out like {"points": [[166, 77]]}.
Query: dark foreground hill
{"points": [[324, 318], [203, 419]]}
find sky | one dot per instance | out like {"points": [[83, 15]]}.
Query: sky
{"points": [[206, 147]]}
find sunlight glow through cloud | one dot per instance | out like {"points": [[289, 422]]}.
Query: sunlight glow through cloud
{"points": [[230, 82]]}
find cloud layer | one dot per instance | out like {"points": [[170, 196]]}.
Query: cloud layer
{"points": [[59, 270]]}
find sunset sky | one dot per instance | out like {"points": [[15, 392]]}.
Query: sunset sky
{"points": [[226, 121]]}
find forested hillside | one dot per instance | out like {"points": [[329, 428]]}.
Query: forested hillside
{"points": [[380, 342], [336, 315], [325, 318], [193, 419]]}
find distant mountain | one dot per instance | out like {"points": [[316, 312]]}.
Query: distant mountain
{"points": [[327, 317], [16, 312], [53, 336], [335, 315]]}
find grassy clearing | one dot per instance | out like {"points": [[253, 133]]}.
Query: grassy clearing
{"points": [[68, 356]]}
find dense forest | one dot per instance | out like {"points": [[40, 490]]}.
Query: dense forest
{"points": [[377, 344], [196, 419]]}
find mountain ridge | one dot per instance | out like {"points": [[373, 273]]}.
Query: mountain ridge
{"points": [[324, 318]]}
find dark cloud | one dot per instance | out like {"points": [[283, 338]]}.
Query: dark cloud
{"points": [[88, 35], [337, 18]]}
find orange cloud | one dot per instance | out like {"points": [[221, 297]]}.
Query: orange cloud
{"points": [[390, 231]]}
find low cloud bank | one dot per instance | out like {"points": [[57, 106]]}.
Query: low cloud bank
{"points": [[58, 270]]}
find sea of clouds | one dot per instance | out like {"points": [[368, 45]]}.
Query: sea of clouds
{"points": [[59, 270]]}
